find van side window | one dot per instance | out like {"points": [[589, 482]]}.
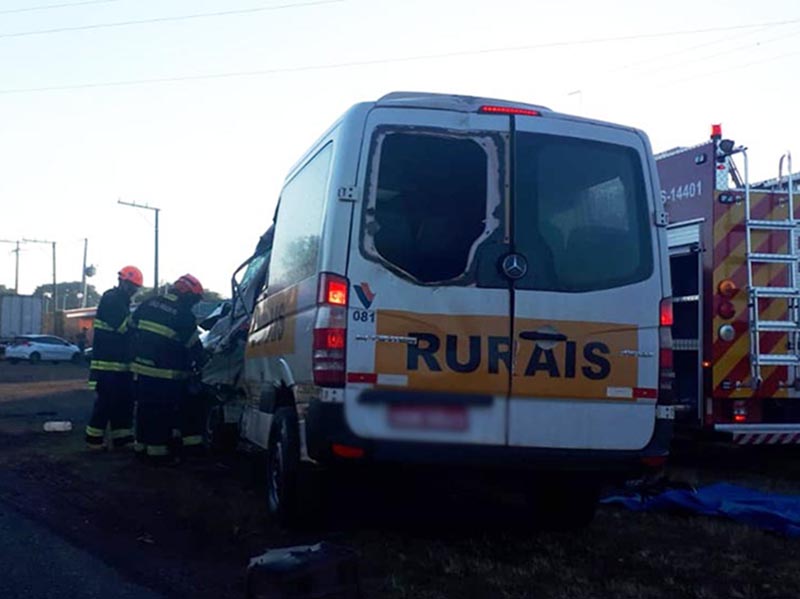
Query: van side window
{"points": [[428, 203], [581, 214], [295, 248]]}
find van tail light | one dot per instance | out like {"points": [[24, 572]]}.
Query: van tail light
{"points": [[490, 109], [666, 373], [330, 331]]}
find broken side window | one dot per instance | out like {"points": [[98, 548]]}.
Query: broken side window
{"points": [[427, 210]]}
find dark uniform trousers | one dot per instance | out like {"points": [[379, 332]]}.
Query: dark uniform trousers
{"points": [[157, 401], [109, 372], [114, 406], [191, 422], [169, 419]]}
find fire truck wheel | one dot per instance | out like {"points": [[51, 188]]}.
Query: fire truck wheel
{"points": [[283, 462], [564, 505]]}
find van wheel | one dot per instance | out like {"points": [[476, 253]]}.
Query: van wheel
{"points": [[283, 463], [564, 505]]}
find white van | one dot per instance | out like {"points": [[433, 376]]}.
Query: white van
{"points": [[459, 280]]}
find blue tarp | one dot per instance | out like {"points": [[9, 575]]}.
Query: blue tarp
{"points": [[769, 511]]}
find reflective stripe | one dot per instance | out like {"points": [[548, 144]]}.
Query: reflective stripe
{"points": [[94, 432], [102, 325], [158, 373], [121, 432], [139, 447], [92, 385], [123, 328], [193, 440], [157, 450], [109, 366], [158, 329]]}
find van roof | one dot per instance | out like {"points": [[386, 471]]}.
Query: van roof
{"points": [[433, 101], [448, 102]]}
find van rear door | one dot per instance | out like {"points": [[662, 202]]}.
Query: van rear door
{"points": [[428, 346], [586, 287]]}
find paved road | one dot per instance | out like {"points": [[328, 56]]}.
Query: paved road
{"points": [[37, 563], [34, 561]]}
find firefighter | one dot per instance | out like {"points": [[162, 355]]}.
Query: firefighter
{"points": [[166, 347], [109, 372]]}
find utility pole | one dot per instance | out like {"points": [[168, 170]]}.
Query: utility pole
{"points": [[156, 210], [83, 272], [55, 287], [16, 266]]}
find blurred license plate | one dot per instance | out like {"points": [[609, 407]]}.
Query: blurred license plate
{"points": [[442, 418]]}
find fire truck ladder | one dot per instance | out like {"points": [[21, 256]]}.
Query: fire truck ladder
{"points": [[791, 259]]}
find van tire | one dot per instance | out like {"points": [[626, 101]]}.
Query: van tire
{"points": [[563, 505], [283, 465]]}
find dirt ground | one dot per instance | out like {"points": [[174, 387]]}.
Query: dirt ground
{"points": [[190, 530]]}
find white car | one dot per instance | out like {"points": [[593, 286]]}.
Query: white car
{"points": [[35, 348]]}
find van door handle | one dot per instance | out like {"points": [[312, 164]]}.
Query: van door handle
{"points": [[539, 336]]}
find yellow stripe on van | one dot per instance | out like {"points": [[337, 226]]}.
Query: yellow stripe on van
{"points": [[473, 354]]}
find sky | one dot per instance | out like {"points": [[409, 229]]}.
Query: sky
{"points": [[200, 107]]}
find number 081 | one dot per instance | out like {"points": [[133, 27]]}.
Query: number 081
{"points": [[364, 315]]}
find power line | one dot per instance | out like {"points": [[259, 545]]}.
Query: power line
{"points": [[729, 52], [51, 6], [684, 51], [692, 61], [221, 13], [736, 67], [358, 63]]}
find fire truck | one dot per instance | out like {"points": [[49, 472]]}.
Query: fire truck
{"points": [[736, 292]]}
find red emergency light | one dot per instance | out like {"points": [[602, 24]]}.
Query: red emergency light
{"points": [[716, 131]]}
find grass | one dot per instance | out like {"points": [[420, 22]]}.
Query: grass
{"points": [[421, 539]]}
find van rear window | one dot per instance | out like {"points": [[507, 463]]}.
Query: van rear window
{"points": [[581, 214], [428, 206]]}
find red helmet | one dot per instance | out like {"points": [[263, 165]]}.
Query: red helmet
{"points": [[188, 285], [132, 274]]}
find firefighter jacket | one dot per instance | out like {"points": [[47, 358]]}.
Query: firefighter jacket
{"points": [[112, 335], [166, 344]]}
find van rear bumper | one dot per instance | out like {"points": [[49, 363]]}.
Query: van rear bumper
{"points": [[326, 426]]}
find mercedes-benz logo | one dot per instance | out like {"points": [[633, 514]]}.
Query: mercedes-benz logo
{"points": [[515, 266]]}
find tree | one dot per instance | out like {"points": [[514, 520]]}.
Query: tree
{"points": [[5, 290], [69, 294]]}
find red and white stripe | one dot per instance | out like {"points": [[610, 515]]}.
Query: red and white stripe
{"points": [[754, 438]]}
